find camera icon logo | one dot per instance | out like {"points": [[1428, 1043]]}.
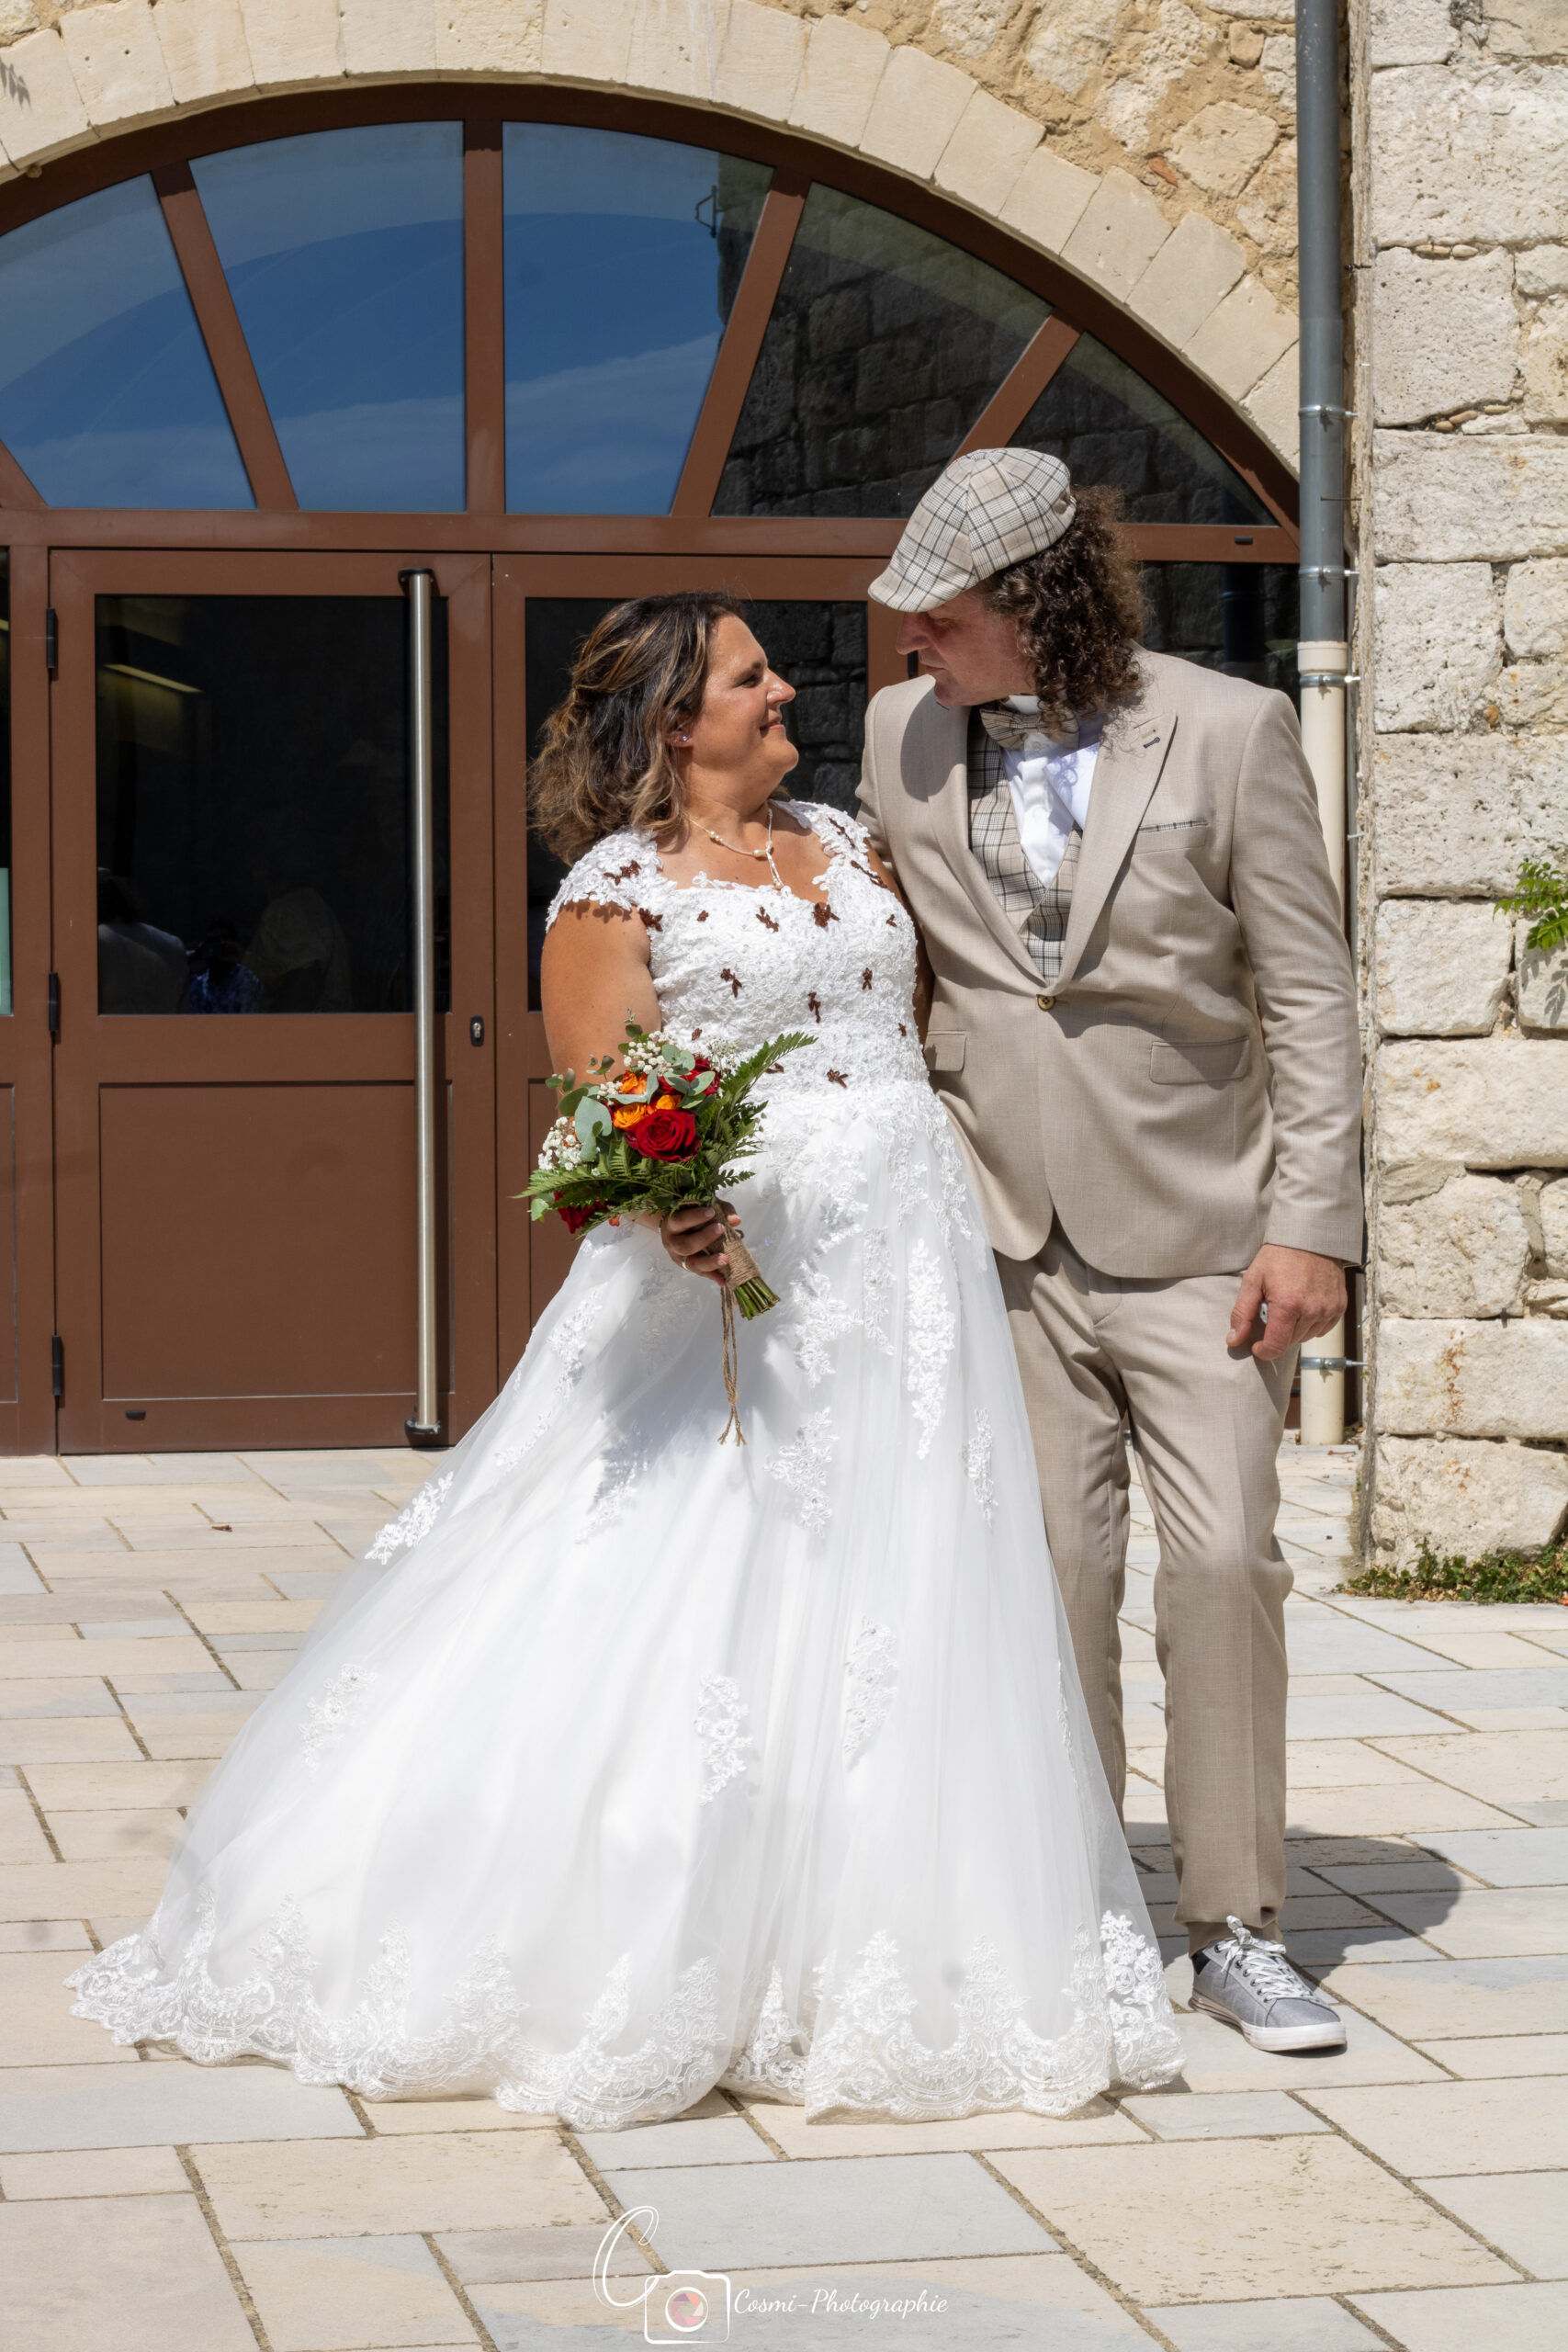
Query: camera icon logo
{"points": [[678, 2306]]}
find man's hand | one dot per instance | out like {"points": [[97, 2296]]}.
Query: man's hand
{"points": [[695, 1240], [1304, 1294]]}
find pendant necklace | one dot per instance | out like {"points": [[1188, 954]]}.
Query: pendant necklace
{"points": [[737, 849]]}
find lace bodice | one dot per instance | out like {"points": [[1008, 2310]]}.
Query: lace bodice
{"points": [[733, 964]]}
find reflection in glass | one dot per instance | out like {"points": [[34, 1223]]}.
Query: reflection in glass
{"points": [[1242, 618], [622, 256], [344, 251], [884, 347], [254, 849], [107, 394], [5, 780], [820, 647], [1110, 426]]}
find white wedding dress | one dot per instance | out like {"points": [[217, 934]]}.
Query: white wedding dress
{"points": [[627, 1762]]}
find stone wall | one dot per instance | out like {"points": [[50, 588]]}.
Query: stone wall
{"points": [[1149, 145], [1462, 477]]}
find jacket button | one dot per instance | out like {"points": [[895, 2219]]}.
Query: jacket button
{"points": [[1044, 1003]]}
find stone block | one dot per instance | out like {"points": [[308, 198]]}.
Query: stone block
{"points": [[1542, 985], [1071, 43], [1467, 1379], [1278, 68], [1483, 1102], [1555, 1227], [1462, 1250], [1196, 268], [330, 2294], [140, 2273], [1223, 145], [1417, 373], [676, 48], [490, 36], [982, 161], [383, 38], [117, 61], [205, 54], [1535, 610], [1533, 694], [42, 112], [1267, 208], [1274, 405], [1525, 28], [1456, 814], [440, 2180], [292, 43], [1049, 198], [1242, 338], [844, 62], [1543, 269], [1440, 967], [587, 41], [969, 27], [1469, 155], [1409, 32], [1437, 644], [1118, 235], [1546, 363], [760, 63], [915, 111], [1440, 499]]}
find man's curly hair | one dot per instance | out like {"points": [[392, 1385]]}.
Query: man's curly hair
{"points": [[1078, 607]]}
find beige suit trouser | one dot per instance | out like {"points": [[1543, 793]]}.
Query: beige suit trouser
{"points": [[1207, 1423]]}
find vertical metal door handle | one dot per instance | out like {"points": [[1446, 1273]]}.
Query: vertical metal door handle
{"points": [[420, 588]]}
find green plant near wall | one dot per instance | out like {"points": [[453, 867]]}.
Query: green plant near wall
{"points": [[1497, 1575], [1542, 895]]}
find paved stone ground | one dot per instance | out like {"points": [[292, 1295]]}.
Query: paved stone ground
{"points": [[1409, 2191]]}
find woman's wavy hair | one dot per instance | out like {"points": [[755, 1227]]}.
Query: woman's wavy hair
{"points": [[1078, 607], [604, 762]]}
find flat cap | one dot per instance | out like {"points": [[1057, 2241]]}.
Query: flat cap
{"points": [[983, 512]]}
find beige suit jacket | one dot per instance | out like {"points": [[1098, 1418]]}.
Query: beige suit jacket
{"points": [[1192, 1086]]}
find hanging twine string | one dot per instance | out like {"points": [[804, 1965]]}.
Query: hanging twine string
{"points": [[731, 1369]]}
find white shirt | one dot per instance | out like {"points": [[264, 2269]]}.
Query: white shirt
{"points": [[1050, 782]]}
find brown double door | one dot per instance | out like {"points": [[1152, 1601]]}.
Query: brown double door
{"points": [[234, 1143]]}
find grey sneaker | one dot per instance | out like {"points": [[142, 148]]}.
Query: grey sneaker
{"points": [[1252, 1985]]}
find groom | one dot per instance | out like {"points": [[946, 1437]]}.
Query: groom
{"points": [[1144, 1025]]}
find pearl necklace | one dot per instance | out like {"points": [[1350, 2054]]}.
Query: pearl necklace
{"points": [[737, 849]]}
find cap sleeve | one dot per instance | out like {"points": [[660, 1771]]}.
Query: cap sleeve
{"points": [[621, 871]]}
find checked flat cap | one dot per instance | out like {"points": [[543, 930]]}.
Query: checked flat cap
{"points": [[982, 513]]}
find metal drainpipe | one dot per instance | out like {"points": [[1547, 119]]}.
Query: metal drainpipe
{"points": [[1323, 654]]}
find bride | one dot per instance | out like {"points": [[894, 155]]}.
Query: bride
{"points": [[626, 1763]]}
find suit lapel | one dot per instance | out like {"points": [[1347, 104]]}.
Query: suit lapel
{"points": [[1131, 754], [950, 817]]}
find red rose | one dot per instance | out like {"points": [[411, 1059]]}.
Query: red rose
{"points": [[574, 1219], [665, 1134]]}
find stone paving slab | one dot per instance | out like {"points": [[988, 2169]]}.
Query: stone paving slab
{"points": [[1407, 2190]]}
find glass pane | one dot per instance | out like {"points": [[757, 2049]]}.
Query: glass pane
{"points": [[107, 394], [820, 647], [4, 781], [885, 345], [344, 253], [622, 256], [1242, 618], [254, 852], [1110, 427]]}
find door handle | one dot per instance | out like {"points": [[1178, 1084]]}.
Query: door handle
{"points": [[424, 1424]]}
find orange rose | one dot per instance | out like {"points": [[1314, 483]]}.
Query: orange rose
{"points": [[628, 1083], [632, 1117], [667, 1102]]}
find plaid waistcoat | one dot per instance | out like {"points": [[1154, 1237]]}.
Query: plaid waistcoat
{"points": [[1039, 911]]}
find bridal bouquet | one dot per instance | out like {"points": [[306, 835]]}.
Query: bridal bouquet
{"points": [[671, 1129]]}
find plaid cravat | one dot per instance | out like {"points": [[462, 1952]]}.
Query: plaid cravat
{"points": [[1037, 910]]}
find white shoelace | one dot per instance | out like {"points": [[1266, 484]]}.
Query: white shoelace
{"points": [[1263, 1966]]}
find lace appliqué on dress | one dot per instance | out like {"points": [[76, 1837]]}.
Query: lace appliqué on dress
{"points": [[342, 1707], [930, 1330], [369, 2048], [821, 1315], [774, 2055], [876, 1290], [803, 1468], [977, 1456], [870, 1678], [719, 1722], [413, 1522]]}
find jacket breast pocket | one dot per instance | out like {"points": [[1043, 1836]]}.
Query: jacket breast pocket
{"points": [[1173, 1065], [944, 1049], [1176, 838]]}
